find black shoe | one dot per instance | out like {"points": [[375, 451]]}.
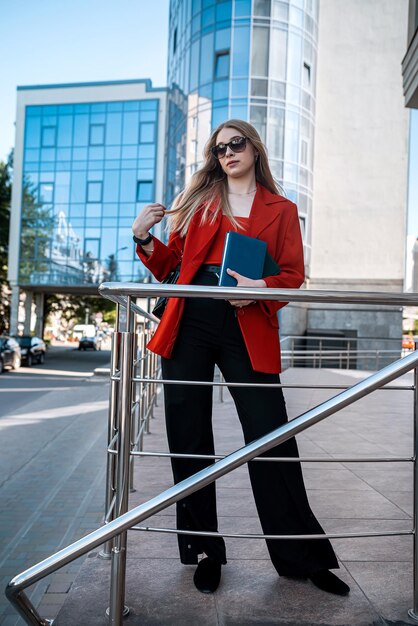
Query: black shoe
{"points": [[207, 575], [327, 581]]}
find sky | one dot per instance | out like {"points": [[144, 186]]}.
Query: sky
{"points": [[67, 41]]}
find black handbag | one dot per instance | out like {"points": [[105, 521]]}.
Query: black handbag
{"points": [[171, 279]]}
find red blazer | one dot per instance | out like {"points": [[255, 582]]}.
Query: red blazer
{"points": [[273, 219]]}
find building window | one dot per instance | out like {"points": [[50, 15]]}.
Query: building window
{"points": [[97, 132], [262, 8], [48, 136], [175, 41], [46, 193], [144, 191], [222, 64], [306, 75], [259, 87], [260, 51], [208, 17], [304, 152], [92, 249], [147, 133], [302, 223], [242, 8], [94, 191], [42, 246]]}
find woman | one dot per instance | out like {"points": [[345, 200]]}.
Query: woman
{"points": [[233, 190]]}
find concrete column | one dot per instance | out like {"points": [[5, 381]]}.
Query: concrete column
{"points": [[39, 324], [14, 310], [28, 312]]}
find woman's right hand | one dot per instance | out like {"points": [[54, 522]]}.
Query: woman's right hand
{"points": [[150, 215]]}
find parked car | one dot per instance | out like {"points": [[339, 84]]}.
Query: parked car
{"points": [[32, 349], [93, 343], [9, 353]]}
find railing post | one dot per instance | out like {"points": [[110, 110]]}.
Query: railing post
{"points": [[118, 571], [144, 387], [134, 413], [154, 369], [147, 389], [413, 613], [154, 385], [112, 429]]}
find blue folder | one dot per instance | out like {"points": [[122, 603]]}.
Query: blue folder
{"points": [[247, 256]]}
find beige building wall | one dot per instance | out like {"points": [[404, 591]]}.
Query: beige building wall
{"points": [[361, 146]]}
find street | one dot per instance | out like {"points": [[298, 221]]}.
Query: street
{"points": [[65, 367], [53, 434]]}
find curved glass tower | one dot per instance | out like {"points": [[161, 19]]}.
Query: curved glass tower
{"points": [[248, 59]]}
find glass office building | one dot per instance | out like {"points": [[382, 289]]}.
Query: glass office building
{"points": [[87, 158], [248, 59], [85, 170]]}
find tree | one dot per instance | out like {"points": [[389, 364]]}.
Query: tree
{"points": [[38, 225], [6, 170], [72, 308]]}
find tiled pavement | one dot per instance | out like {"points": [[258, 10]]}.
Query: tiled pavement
{"points": [[345, 497], [61, 440]]}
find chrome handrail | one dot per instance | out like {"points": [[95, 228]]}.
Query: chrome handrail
{"points": [[118, 291], [15, 588], [337, 338]]}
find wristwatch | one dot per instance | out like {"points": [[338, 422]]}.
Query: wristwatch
{"points": [[142, 242]]}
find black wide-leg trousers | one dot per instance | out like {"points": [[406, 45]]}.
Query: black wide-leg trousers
{"points": [[209, 335]]}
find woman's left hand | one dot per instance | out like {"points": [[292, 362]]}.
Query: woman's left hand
{"points": [[243, 281]]}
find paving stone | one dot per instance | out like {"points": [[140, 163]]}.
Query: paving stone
{"points": [[388, 586], [59, 587]]}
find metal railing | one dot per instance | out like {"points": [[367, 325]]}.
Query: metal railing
{"points": [[124, 440], [339, 351], [145, 365]]}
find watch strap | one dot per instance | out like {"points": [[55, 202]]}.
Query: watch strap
{"points": [[142, 242]]}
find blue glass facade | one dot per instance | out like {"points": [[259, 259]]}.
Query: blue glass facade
{"points": [[88, 169], [248, 59]]}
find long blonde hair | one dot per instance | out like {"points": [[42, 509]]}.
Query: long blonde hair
{"points": [[208, 185]]}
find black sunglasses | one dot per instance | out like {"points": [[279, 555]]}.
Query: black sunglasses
{"points": [[237, 144]]}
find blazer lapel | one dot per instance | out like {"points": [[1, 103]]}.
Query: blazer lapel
{"points": [[265, 209]]}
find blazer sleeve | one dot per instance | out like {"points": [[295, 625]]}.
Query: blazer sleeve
{"points": [[290, 260], [163, 258]]}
